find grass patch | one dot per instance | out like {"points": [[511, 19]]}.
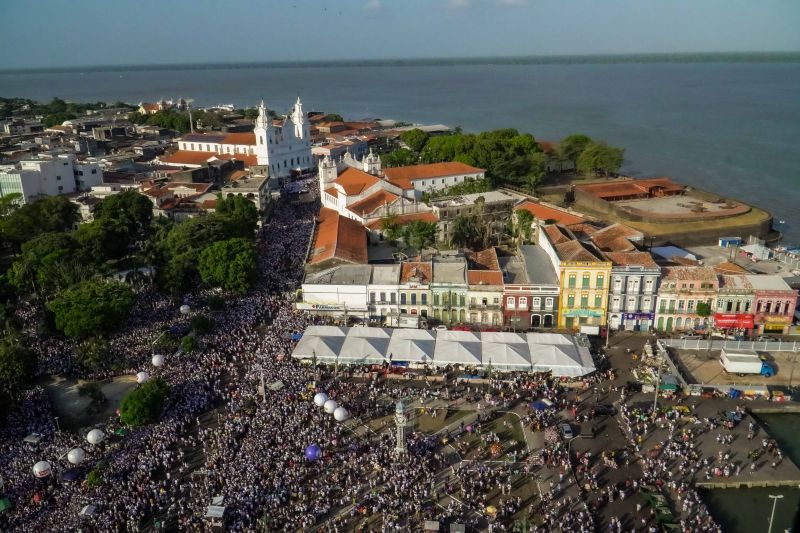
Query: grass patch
{"points": [[430, 425]]}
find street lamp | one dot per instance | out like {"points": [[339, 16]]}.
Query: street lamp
{"points": [[775, 498]]}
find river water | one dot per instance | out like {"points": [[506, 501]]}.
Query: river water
{"points": [[748, 510], [731, 128]]}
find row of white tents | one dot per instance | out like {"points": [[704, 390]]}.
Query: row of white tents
{"points": [[534, 352]]}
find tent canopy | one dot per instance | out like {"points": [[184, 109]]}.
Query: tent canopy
{"points": [[320, 347], [364, 350], [450, 352]]}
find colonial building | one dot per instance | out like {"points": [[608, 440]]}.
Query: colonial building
{"points": [[336, 240], [485, 292], [686, 297], [493, 208], [340, 292], [416, 278], [584, 274], [277, 148], [633, 290], [530, 291], [734, 309], [449, 288], [383, 291], [774, 304], [432, 177]]}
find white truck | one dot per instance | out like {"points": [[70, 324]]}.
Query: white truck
{"points": [[744, 362], [403, 321]]}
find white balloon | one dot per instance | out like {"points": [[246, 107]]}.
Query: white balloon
{"points": [[76, 456], [341, 414], [157, 360], [42, 469], [142, 377], [185, 309], [330, 406], [320, 398], [95, 436]]}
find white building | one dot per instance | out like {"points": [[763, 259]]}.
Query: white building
{"points": [[49, 176], [633, 291], [277, 148], [339, 291]]}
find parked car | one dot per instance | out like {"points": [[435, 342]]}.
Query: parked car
{"points": [[690, 336], [566, 431], [441, 328], [767, 338], [605, 410]]}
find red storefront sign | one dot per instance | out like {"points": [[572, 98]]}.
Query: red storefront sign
{"points": [[733, 320]]}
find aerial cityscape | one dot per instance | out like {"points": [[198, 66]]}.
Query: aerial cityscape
{"points": [[371, 266]]}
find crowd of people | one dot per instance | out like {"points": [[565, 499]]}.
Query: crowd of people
{"points": [[241, 414]]}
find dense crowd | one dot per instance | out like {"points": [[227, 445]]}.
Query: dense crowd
{"points": [[222, 435]]}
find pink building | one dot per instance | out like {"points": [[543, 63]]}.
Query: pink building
{"points": [[686, 298], [774, 304]]}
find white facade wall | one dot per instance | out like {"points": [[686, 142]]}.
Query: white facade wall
{"points": [[87, 175], [442, 182], [352, 296]]}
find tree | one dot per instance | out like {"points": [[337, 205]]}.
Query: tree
{"points": [[131, 208], [93, 352], [144, 404], [524, 221], [415, 139], [390, 226], [572, 146], [202, 324], [54, 213], [241, 212], [103, 240], [92, 307], [17, 368], [230, 264], [703, 309], [465, 231], [600, 158], [419, 234], [10, 202], [333, 117], [34, 267], [188, 344], [398, 158]]}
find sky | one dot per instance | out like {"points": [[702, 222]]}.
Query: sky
{"points": [[63, 33]]}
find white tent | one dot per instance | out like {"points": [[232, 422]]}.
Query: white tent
{"points": [[369, 333], [323, 348], [459, 336], [452, 352], [363, 350], [511, 356], [325, 331], [561, 360], [414, 345]]}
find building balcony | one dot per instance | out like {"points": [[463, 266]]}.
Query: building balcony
{"points": [[487, 307]]}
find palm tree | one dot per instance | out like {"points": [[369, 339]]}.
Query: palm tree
{"points": [[465, 231]]}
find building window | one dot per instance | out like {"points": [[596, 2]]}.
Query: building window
{"points": [[690, 306], [615, 301], [536, 303], [747, 306], [472, 301], [584, 300], [523, 302], [571, 300], [495, 300], [424, 298], [572, 281], [435, 299], [372, 297], [600, 281], [192, 145], [510, 302], [413, 298], [403, 299], [383, 297], [648, 285], [585, 281], [548, 303]]}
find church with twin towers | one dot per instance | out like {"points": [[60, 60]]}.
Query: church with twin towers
{"points": [[276, 146]]}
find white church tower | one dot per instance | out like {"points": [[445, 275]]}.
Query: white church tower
{"points": [[327, 173], [263, 132], [302, 129], [372, 163]]}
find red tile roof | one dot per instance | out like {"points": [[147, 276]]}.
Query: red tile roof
{"points": [[433, 170], [483, 259], [333, 192], [338, 237], [484, 277], [355, 181], [243, 138], [404, 219], [689, 273], [730, 268], [555, 234], [575, 251], [372, 202], [631, 258], [421, 270], [624, 188], [543, 212], [188, 157]]}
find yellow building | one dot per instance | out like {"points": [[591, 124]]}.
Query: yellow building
{"points": [[584, 275]]}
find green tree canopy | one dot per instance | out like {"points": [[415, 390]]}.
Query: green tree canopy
{"points": [[188, 344], [230, 264], [102, 240], [466, 231], [17, 367], [131, 208], [202, 324], [415, 139], [92, 307], [390, 226], [53, 213], [241, 212], [398, 158], [93, 352], [571, 147], [48, 262], [144, 404], [419, 234], [600, 158], [524, 221]]}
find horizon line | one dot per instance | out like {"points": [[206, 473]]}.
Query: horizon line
{"points": [[642, 57]]}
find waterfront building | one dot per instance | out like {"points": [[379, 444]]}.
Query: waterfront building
{"points": [[336, 240], [414, 290], [383, 291], [584, 274], [493, 208], [433, 177], [774, 303], [338, 292], [531, 288], [734, 309], [449, 288], [275, 148], [632, 294], [686, 298], [485, 291]]}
